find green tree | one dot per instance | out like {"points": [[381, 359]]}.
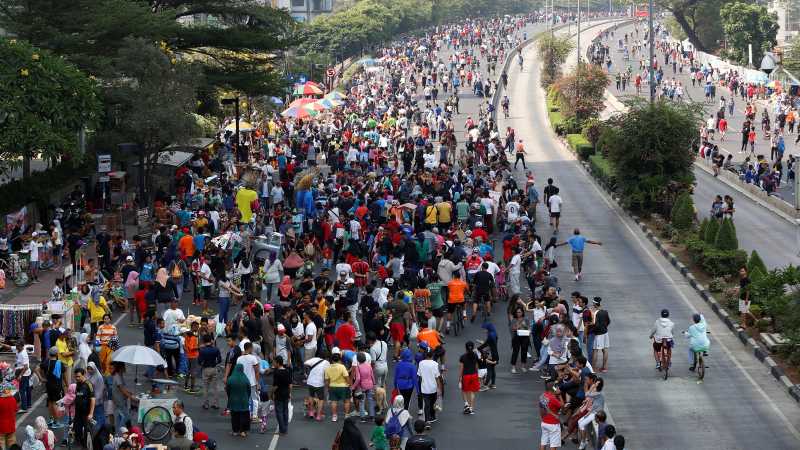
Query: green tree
{"points": [[745, 24], [712, 230], [791, 60], [44, 103], [699, 21], [755, 262], [553, 51], [726, 237], [580, 93], [651, 152], [701, 232], [153, 100], [683, 212]]}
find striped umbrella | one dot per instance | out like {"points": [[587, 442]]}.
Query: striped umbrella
{"points": [[308, 88]]}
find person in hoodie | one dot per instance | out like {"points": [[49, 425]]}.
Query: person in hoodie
{"points": [[662, 329], [405, 376], [698, 338]]}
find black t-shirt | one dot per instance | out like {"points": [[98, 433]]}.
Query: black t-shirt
{"points": [[601, 321], [420, 442], [48, 366], [83, 398], [744, 287], [470, 362], [282, 381], [483, 282]]}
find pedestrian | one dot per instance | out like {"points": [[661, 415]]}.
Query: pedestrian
{"points": [[405, 377], [84, 408], [8, 425], [121, 396], [600, 332], [250, 364], [549, 406], [43, 434], [744, 297], [22, 368], [30, 442], [350, 438], [315, 368], [468, 377], [238, 390], [430, 383], [378, 439], [99, 387], [493, 357], [554, 202], [520, 341], [282, 394], [420, 441], [577, 244], [208, 359], [364, 383]]}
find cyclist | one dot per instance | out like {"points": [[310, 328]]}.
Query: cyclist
{"points": [[662, 329], [505, 102], [455, 297], [433, 340], [698, 339], [483, 286]]}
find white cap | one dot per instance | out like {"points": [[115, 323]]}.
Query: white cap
{"points": [[336, 351], [129, 258], [349, 281]]}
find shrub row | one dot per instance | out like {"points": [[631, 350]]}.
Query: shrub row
{"points": [[713, 261], [602, 168], [580, 145]]}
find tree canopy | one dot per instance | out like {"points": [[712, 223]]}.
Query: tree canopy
{"points": [[580, 93], [745, 24], [699, 20], [44, 103]]}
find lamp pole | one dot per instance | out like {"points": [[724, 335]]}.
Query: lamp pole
{"points": [[651, 69], [579, 32], [235, 101]]}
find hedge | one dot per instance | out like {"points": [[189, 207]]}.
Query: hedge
{"points": [[580, 145], [683, 212], [602, 168], [716, 263]]}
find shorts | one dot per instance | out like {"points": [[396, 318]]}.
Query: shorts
{"points": [[657, 345], [34, 265], [744, 307], [551, 435], [438, 312], [601, 341], [316, 392], [339, 394], [555, 215], [577, 260], [451, 307], [470, 383], [397, 331], [203, 291], [483, 297]]}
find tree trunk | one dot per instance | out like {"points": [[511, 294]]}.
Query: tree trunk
{"points": [[26, 165], [680, 17]]}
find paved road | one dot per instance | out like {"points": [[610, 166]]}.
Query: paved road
{"points": [[739, 406], [773, 237]]}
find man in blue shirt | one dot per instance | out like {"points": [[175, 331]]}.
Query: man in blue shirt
{"points": [[577, 243]]}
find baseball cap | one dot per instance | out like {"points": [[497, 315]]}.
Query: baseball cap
{"points": [[349, 281], [281, 327], [336, 351], [389, 281], [129, 258]]}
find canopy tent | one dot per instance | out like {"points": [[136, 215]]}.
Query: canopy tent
{"points": [[243, 126]]}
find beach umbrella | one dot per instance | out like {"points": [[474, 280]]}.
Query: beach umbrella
{"points": [[335, 95], [308, 88], [301, 101], [299, 112], [243, 126]]}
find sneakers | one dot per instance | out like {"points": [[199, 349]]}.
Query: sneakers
{"points": [[493, 386], [524, 370], [420, 413], [513, 370], [582, 445], [658, 366], [334, 418], [484, 388]]}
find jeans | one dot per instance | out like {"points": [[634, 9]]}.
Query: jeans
{"points": [[100, 415], [224, 304], [173, 357], [368, 403], [282, 415], [25, 392], [590, 347], [120, 416]]}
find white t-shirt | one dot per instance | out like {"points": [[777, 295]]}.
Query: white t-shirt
{"points": [[249, 361], [429, 372], [206, 272], [316, 377], [512, 211], [379, 352], [34, 248], [173, 316], [22, 361], [311, 330], [555, 203], [514, 266]]}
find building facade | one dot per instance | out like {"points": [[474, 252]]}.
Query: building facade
{"points": [[305, 10]]}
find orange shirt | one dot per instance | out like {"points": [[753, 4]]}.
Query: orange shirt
{"points": [[186, 246], [192, 350], [455, 290], [429, 336]]}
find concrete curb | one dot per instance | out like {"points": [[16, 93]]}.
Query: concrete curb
{"points": [[758, 350]]}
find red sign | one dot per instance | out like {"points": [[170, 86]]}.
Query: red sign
{"points": [[331, 72]]}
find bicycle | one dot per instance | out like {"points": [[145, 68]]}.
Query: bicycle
{"points": [[458, 322], [157, 423], [665, 357], [699, 365], [12, 269]]}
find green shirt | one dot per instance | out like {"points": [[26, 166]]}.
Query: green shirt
{"points": [[463, 210], [436, 295], [378, 438]]}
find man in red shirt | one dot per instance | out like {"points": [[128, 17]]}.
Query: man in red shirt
{"points": [[8, 424], [360, 270], [346, 334], [549, 405]]}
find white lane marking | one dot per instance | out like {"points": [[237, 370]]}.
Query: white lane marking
{"points": [[686, 300], [273, 444], [44, 396]]}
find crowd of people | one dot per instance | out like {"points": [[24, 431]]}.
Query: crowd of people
{"points": [[394, 231]]}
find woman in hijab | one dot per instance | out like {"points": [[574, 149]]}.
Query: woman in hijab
{"points": [[557, 351], [99, 390], [398, 409], [31, 443], [238, 390], [164, 290], [351, 438], [43, 434], [285, 290], [131, 286], [84, 351]]}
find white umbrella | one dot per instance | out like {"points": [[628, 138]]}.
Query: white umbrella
{"points": [[138, 355]]}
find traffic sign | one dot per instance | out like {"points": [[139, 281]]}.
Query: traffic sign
{"points": [[331, 72]]}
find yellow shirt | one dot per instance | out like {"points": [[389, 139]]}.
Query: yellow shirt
{"points": [[430, 215], [243, 200], [337, 375], [445, 211], [97, 311], [62, 346]]}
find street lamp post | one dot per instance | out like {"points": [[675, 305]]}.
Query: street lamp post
{"points": [[651, 69], [579, 32]]}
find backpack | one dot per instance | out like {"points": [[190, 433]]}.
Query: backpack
{"points": [[176, 271], [393, 427]]}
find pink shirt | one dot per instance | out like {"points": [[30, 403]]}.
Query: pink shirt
{"points": [[364, 378]]}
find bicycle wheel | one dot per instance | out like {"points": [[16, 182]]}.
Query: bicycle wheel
{"points": [[701, 367], [665, 362], [157, 423]]}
